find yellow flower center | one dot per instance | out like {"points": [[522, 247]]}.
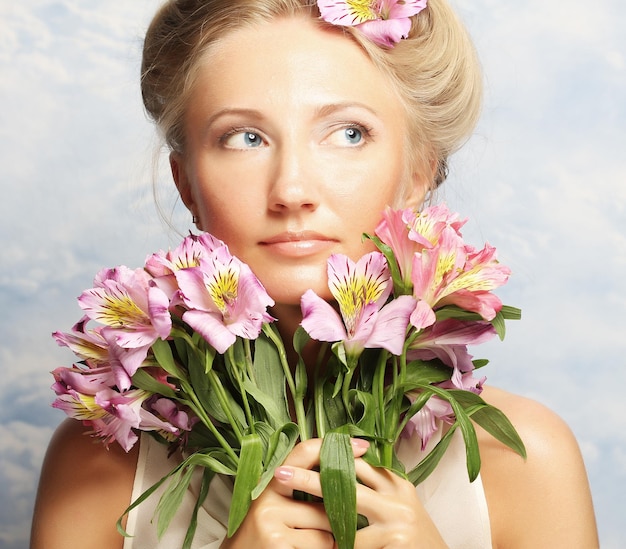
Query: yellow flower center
{"points": [[223, 288], [119, 312], [363, 10], [354, 294]]}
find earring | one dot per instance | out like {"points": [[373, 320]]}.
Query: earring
{"points": [[194, 220]]}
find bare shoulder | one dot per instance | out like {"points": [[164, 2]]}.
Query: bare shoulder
{"points": [[548, 490], [83, 489]]}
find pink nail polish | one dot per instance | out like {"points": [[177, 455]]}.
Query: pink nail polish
{"points": [[283, 473], [359, 443]]}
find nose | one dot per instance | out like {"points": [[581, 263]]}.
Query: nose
{"points": [[294, 187]]}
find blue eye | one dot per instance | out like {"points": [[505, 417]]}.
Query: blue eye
{"points": [[252, 139], [242, 139], [353, 135], [348, 135]]}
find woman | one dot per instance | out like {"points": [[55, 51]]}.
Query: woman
{"points": [[288, 137]]}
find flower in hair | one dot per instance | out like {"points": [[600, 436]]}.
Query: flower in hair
{"points": [[385, 22]]}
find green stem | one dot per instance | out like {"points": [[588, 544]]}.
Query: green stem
{"points": [[352, 363], [318, 394], [297, 402], [378, 387], [248, 353], [244, 395], [199, 411]]}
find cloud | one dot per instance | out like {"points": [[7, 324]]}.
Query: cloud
{"points": [[543, 180]]}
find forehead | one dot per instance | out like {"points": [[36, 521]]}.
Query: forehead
{"points": [[292, 62]]}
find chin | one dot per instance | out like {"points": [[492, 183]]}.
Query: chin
{"points": [[287, 290]]}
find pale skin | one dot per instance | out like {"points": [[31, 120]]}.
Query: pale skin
{"points": [[293, 136]]}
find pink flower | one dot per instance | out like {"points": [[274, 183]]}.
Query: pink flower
{"points": [[427, 226], [452, 273], [113, 415], [191, 250], [448, 340], [86, 344], [360, 290], [88, 381], [134, 313], [385, 22], [426, 422], [437, 266], [225, 299]]}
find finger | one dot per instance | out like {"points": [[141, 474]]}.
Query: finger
{"points": [[288, 479], [377, 478], [307, 454], [306, 539], [307, 515], [296, 473]]}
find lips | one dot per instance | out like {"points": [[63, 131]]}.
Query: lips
{"points": [[298, 243]]}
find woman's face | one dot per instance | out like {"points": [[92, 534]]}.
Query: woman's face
{"points": [[295, 143]]}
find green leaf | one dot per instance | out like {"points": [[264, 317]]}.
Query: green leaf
{"points": [[338, 479], [273, 408], [207, 477], [420, 400], [506, 313], [143, 380], [270, 377], [452, 311], [480, 363], [339, 351], [498, 323], [334, 409], [281, 443], [248, 475], [217, 461], [301, 379], [365, 416], [163, 354], [399, 286], [492, 420], [421, 372], [428, 464], [300, 339], [467, 429], [511, 313], [472, 452], [145, 495], [172, 498]]}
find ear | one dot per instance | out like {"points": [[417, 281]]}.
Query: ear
{"points": [[179, 174], [421, 184]]}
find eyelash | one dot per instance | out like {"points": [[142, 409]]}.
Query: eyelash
{"points": [[237, 130], [367, 131]]}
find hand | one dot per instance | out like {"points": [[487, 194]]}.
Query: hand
{"points": [[275, 520], [397, 519]]}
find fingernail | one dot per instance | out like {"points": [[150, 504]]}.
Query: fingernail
{"points": [[359, 443], [283, 473]]}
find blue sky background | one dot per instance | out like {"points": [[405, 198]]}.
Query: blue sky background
{"points": [[543, 179]]}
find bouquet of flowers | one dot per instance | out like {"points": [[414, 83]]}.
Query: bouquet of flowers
{"points": [[185, 349]]}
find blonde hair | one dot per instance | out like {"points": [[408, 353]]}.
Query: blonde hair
{"points": [[435, 70]]}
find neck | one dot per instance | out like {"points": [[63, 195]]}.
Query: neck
{"points": [[288, 320]]}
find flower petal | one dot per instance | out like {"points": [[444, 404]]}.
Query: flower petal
{"points": [[391, 322], [320, 320], [386, 32], [211, 327]]}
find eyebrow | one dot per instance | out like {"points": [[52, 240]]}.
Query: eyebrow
{"points": [[327, 110], [321, 112], [235, 111]]}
